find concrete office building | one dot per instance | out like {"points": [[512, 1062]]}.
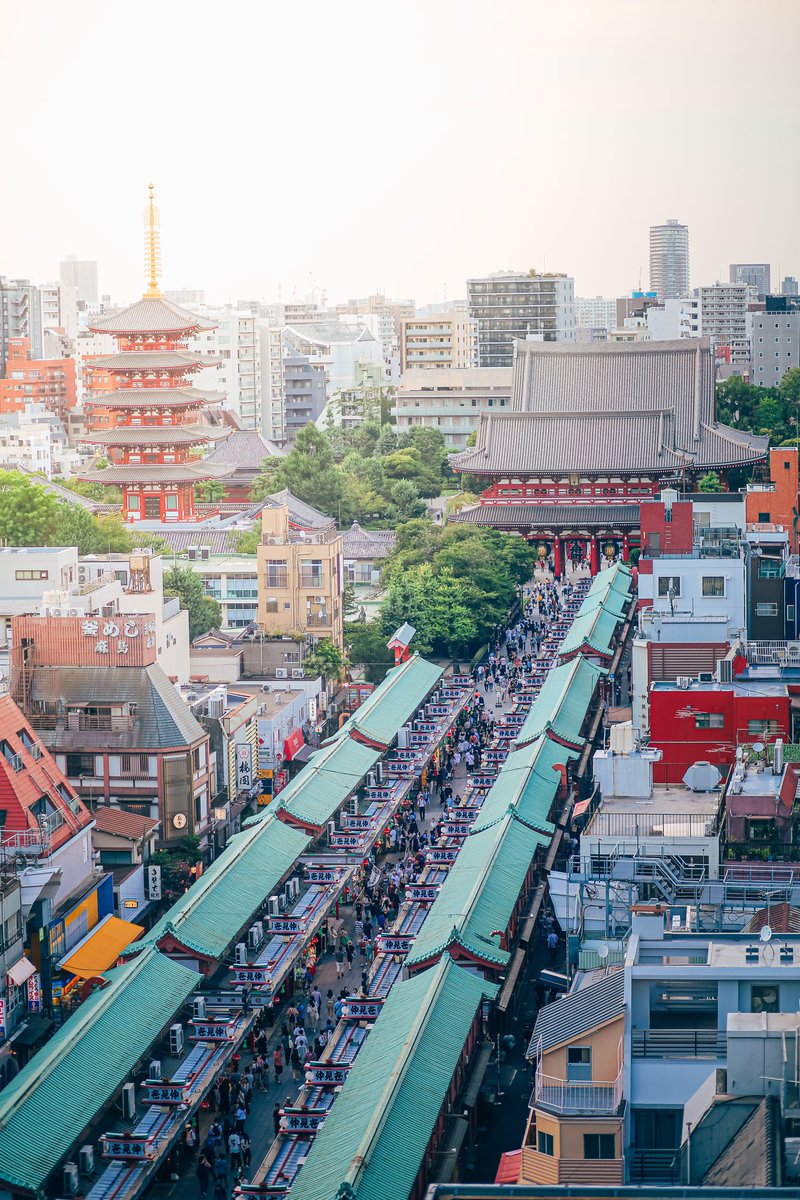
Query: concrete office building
{"points": [[273, 397], [755, 275], [234, 341], [514, 305], [20, 317], [304, 393], [724, 319], [776, 341], [789, 287], [669, 259], [452, 400], [300, 580], [81, 274], [595, 312], [447, 340]]}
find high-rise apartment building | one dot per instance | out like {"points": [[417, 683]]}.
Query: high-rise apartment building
{"points": [[669, 259], [595, 312], [723, 318], [776, 341], [447, 340], [59, 304], [235, 343], [511, 305], [273, 397], [20, 316], [81, 274], [755, 275]]}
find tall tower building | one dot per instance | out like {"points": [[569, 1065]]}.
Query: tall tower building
{"points": [[80, 274], [755, 275], [20, 317], [143, 407], [669, 259]]}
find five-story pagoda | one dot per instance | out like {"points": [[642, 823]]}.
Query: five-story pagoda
{"points": [[143, 410]]}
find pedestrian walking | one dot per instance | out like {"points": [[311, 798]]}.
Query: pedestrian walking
{"points": [[552, 944], [277, 1062], [276, 1119], [235, 1152], [339, 962], [204, 1174]]}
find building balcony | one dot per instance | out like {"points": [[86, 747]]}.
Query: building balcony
{"points": [[679, 1043], [576, 1097], [547, 1170], [644, 824]]}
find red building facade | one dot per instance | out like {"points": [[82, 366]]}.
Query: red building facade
{"points": [[148, 423], [46, 381]]}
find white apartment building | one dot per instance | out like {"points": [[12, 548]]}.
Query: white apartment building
{"points": [[514, 305], [723, 317], [273, 390], [669, 259], [595, 312], [446, 340], [25, 444], [236, 343], [59, 304], [451, 399]]}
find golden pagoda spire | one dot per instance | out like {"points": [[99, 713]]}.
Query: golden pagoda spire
{"points": [[152, 246]]}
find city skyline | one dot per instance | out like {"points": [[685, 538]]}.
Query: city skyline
{"points": [[425, 159]]}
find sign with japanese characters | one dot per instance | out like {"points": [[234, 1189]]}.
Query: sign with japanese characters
{"points": [[251, 976], [212, 1031], [34, 993], [357, 822], [443, 855], [485, 779], [287, 925], [396, 943], [295, 1120], [152, 875], [244, 767], [164, 1093], [380, 793], [322, 874], [458, 829], [358, 1009], [327, 1074], [451, 693], [495, 756], [418, 739], [127, 1146], [461, 681], [436, 710], [346, 841], [401, 766], [422, 893], [515, 720], [425, 726], [2, 1017], [118, 640]]}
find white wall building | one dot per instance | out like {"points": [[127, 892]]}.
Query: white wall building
{"points": [[595, 312], [25, 444], [775, 346], [339, 348], [273, 391], [236, 343]]}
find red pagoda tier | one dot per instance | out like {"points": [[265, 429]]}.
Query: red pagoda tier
{"points": [[148, 418]]}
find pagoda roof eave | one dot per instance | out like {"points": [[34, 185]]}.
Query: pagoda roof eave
{"points": [[151, 315], [152, 435], [158, 473], [149, 362], [187, 397]]}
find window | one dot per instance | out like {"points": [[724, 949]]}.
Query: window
{"points": [[713, 585], [760, 829], [579, 1062], [544, 1143], [664, 582], [30, 575], [763, 518], [759, 728], [599, 1145], [765, 997], [79, 764], [709, 720], [277, 573], [766, 608], [769, 568]]}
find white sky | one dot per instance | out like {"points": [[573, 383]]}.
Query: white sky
{"points": [[400, 145]]}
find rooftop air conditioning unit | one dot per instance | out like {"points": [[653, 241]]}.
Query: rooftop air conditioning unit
{"points": [[793, 650], [128, 1100], [253, 940], [69, 1179], [777, 757], [331, 829], [371, 779], [725, 670], [154, 1070], [176, 1039], [259, 928], [216, 706], [240, 954], [281, 673], [86, 1159], [705, 677], [292, 888], [272, 906], [379, 773], [297, 672], [282, 902], [683, 681], [199, 1008], [192, 552], [402, 739], [205, 552]]}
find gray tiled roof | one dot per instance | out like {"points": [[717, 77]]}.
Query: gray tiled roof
{"points": [[246, 449], [583, 1009], [193, 472], [551, 516], [367, 544], [152, 398], [151, 360], [219, 541], [163, 719], [149, 435], [151, 314], [609, 408], [301, 514]]}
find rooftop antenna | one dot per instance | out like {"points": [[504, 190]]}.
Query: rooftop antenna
{"points": [[152, 246]]}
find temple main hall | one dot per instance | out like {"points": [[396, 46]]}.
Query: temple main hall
{"points": [[592, 431]]}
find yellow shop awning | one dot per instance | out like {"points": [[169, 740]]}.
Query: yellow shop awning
{"points": [[101, 948]]}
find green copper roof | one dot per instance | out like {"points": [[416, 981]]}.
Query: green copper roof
{"points": [[561, 706], [208, 917], [595, 629], [618, 578], [326, 781], [374, 1139], [388, 708], [528, 782], [480, 892], [46, 1108]]}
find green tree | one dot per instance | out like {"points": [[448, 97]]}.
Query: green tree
{"points": [[710, 482], [437, 604], [789, 386], [28, 513], [75, 526], [204, 613], [326, 659], [366, 647], [310, 473], [210, 491], [405, 501]]}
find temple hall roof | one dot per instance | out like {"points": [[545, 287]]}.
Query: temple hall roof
{"points": [[550, 516], [246, 449], [151, 314], [608, 408]]}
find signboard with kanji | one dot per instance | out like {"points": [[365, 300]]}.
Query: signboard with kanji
{"points": [[127, 1146], [295, 1120], [458, 829], [346, 841], [327, 1074], [398, 943], [442, 855], [358, 1009], [244, 766], [34, 993], [422, 893], [250, 976], [357, 822], [164, 1093], [380, 793], [212, 1031], [322, 874], [152, 875], [287, 925]]}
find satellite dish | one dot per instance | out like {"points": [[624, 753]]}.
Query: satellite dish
{"points": [[766, 934], [758, 747], [602, 951]]}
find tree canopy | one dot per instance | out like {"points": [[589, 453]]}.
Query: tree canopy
{"points": [[186, 584]]}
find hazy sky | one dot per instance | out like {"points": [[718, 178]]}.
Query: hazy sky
{"points": [[400, 145]]}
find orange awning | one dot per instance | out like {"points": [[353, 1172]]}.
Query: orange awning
{"points": [[294, 742], [100, 949], [510, 1166]]}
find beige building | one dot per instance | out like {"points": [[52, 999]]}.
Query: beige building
{"points": [[452, 399], [446, 340], [300, 578]]}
